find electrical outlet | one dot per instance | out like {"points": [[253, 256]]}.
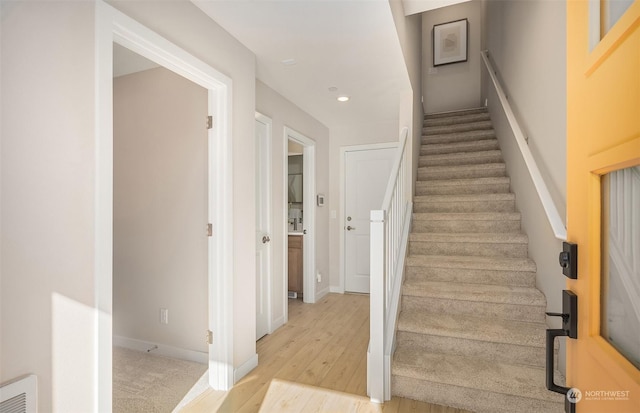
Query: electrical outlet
{"points": [[164, 316], [319, 276]]}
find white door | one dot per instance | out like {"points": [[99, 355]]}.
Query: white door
{"points": [[263, 224], [366, 176]]}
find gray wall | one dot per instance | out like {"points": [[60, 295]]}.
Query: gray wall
{"points": [[160, 205], [526, 41], [454, 86]]}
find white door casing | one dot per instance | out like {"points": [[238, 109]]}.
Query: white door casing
{"points": [[263, 225], [308, 213], [365, 181]]}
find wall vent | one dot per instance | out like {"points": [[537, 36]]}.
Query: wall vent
{"points": [[19, 396]]}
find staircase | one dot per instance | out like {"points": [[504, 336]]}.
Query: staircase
{"points": [[471, 332]]}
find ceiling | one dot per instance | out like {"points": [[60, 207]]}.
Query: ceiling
{"points": [[351, 46]]}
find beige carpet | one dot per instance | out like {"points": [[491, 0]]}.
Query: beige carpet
{"points": [[144, 382]]}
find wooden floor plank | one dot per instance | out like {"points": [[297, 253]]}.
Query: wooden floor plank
{"points": [[323, 344]]}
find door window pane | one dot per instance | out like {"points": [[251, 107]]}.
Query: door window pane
{"points": [[621, 262]]}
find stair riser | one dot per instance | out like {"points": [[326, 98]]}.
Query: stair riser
{"points": [[479, 401], [428, 188], [486, 145], [455, 114], [454, 128], [510, 278], [462, 173], [507, 353], [528, 313], [509, 250], [459, 137], [450, 160], [475, 206], [464, 226], [451, 120]]}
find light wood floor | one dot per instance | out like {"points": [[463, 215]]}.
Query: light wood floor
{"points": [[324, 345]]}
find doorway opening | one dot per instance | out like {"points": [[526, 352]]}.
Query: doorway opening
{"points": [[115, 27], [299, 244]]}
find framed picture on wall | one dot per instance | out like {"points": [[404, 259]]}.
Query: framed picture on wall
{"points": [[450, 42]]}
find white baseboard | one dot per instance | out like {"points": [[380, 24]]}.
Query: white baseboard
{"points": [[162, 349], [321, 293], [245, 368], [276, 324], [336, 289]]}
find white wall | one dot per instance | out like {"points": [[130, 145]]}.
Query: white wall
{"points": [[409, 31], [48, 111], [526, 41], [47, 287], [284, 113], [454, 86], [160, 209]]}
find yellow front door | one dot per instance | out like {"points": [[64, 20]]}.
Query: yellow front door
{"points": [[603, 136]]}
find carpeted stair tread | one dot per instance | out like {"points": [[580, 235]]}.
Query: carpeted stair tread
{"points": [[471, 262], [488, 238], [456, 113], [462, 171], [466, 216], [504, 202], [455, 147], [450, 120], [473, 292], [494, 184], [457, 127], [434, 199], [461, 136], [487, 375], [462, 158], [514, 332]]}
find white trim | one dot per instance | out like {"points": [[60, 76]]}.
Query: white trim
{"points": [[309, 214], [245, 368], [558, 227], [268, 206], [161, 349], [341, 215], [322, 293], [114, 26]]}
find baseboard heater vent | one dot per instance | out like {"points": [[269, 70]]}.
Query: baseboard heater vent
{"points": [[19, 396]]}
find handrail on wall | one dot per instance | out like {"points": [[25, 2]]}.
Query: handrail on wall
{"points": [[559, 230]]}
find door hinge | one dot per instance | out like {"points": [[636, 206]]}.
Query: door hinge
{"points": [[209, 122], [210, 230], [209, 337]]}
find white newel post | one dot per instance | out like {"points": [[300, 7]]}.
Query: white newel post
{"points": [[375, 372]]}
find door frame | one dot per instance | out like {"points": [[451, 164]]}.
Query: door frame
{"points": [[309, 211], [114, 26], [259, 117], [343, 176]]}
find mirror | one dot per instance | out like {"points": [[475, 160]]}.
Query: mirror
{"points": [[295, 188]]}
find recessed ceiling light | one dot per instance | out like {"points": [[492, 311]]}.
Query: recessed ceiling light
{"points": [[343, 98], [289, 62], [333, 89]]}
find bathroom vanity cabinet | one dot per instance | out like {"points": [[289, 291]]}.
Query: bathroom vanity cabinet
{"points": [[295, 264]]}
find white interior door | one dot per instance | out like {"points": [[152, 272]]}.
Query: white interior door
{"points": [[366, 176], [263, 224]]}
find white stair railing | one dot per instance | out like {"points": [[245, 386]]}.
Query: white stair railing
{"points": [[389, 236]]}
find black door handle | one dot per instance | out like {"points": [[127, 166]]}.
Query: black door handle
{"points": [[550, 368]]}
